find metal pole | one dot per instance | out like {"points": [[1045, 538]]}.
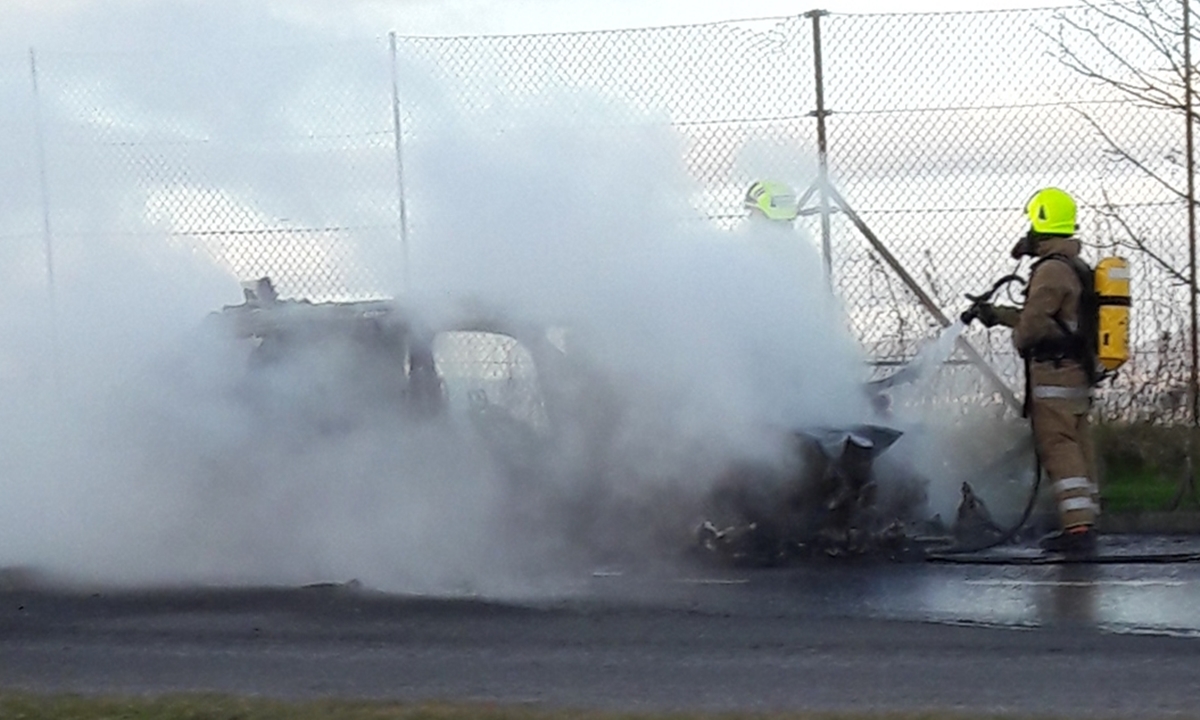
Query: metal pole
{"points": [[47, 234], [1194, 382], [396, 130], [1189, 135], [822, 145]]}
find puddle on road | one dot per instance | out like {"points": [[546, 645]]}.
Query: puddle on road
{"points": [[1126, 599], [1141, 598]]}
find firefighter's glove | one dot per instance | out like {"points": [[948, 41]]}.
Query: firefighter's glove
{"points": [[992, 315]]}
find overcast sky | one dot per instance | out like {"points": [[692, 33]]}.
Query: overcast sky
{"points": [[40, 22]]}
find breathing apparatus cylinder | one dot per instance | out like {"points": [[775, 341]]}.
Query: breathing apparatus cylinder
{"points": [[1112, 295]]}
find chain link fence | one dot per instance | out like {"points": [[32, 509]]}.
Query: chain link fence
{"points": [[297, 162], [259, 161], [938, 140]]}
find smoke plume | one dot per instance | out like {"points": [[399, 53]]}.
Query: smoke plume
{"points": [[138, 449]]}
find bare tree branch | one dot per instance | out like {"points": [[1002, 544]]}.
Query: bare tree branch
{"points": [[1112, 212], [1127, 156], [1148, 87], [1147, 27], [1146, 20], [1158, 35]]}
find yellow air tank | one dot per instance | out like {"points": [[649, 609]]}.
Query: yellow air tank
{"points": [[1112, 291]]}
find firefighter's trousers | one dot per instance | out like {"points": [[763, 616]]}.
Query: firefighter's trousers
{"points": [[1062, 437]]}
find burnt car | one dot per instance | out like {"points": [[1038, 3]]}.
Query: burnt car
{"points": [[553, 423]]}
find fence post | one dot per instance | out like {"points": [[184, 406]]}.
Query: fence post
{"points": [[829, 195], [47, 234], [1189, 481], [396, 130], [822, 146], [1189, 135]]}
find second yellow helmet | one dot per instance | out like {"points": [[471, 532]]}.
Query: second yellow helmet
{"points": [[774, 200]]}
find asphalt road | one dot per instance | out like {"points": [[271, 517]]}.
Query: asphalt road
{"points": [[1111, 640]]}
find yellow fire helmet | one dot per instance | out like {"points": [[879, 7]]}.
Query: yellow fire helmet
{"points": [[1052, 212], [774, 200]]}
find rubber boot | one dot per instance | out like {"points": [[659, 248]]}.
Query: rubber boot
{"points": [[1075, 542]]}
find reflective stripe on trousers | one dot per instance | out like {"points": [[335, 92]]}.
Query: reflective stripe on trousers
{"points": [[1077, 503], [1066, 485], [1058, 392]]}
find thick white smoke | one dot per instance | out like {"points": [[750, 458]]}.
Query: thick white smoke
{"points": [[153, 459]]}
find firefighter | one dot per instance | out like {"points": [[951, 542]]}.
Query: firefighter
{"points": [[1054, 335]]}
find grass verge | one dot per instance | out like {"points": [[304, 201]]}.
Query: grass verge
{"points": [[222, 707], [1135, 489], [1142, 465]]}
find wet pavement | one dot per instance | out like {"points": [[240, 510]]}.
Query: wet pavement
{"points": [[1071, 641], [1152, 595]]}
